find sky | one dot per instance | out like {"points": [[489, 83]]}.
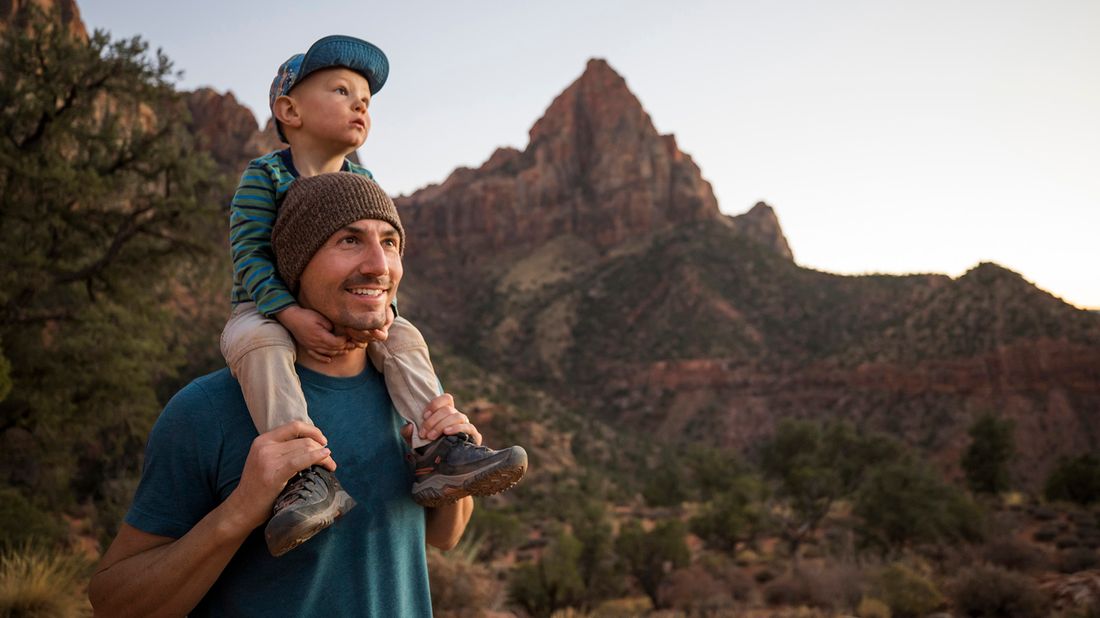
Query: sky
{"points": [[890, 136]]}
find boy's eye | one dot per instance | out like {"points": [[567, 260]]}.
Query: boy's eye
{"points": [[341, 90]]}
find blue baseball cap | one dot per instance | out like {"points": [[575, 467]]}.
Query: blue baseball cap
{"points": [[331, 51]]}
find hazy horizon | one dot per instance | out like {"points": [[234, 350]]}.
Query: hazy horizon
{"points": [[899, 138]]}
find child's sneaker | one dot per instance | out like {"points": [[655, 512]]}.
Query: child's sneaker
{"points": [[309, 503], [453, 467]]}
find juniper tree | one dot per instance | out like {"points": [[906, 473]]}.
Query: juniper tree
{"points": [[104, 209]]}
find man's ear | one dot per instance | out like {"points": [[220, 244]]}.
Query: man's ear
{"points": [[285, 111]]}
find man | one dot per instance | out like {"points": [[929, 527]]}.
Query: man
{"points": [[190, 544]]}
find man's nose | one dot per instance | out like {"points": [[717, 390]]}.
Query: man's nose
{"points": [[373, 259]]}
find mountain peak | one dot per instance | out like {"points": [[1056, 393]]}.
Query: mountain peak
{"points": [[597, 99], [595, 168], [762, 224]]}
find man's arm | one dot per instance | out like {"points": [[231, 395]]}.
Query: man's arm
{"points": [[444, 525], [143, 574]]}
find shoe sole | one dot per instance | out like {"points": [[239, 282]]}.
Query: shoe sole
{"points": [[442, 490], [305, 530]]}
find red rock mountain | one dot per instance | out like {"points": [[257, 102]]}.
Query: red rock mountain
{"points": [[595, 168], [596, 265]]}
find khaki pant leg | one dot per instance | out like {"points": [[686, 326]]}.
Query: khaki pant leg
{"points": [[404, 362], [261, 353]]}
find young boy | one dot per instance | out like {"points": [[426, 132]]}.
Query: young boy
{"points": [[320, 103]]}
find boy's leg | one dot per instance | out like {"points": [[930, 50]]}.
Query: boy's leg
{"points": [[261, 353], [449, 467], [410, 378]]}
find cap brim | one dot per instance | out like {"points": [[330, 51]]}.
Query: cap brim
{"points": [[345, 51]]}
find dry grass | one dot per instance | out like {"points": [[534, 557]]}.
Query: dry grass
{"points": [[37, 583]]}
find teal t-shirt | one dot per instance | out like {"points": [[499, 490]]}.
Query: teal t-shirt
{"points": [[371, 562]]}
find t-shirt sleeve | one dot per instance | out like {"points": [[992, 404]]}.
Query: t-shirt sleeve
{"points": [[178, 481]]}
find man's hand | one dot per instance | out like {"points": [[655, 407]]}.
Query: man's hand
{"points": [[274, 458], [313, 332], [442, 418]]}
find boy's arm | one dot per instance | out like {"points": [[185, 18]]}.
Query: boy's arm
{"points": [[251, 219]]}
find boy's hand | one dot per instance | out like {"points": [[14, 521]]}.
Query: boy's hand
{"points": [[313, 332], [362, 338]]}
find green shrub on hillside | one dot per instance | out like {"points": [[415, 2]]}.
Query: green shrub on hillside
{"points": [[908, 593], [22, 524], [1075, 480], [992, 591], [985, 461], [906, 504]]}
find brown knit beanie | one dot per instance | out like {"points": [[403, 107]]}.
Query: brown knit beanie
{"points": [[315, 208]]}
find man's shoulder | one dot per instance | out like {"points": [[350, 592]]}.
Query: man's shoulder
{"points": [[208, 393]]}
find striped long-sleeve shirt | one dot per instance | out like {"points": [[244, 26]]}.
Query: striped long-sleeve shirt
{"points": [[251, 218]]}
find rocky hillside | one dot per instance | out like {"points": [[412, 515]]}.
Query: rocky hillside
{"points": [[595, 264]]}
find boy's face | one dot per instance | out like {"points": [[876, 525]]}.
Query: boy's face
{"points": [[332, 107]]}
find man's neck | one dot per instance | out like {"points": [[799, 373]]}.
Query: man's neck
{"points": [[343, 366], [311, 159]]}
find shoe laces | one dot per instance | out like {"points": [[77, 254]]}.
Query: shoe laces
{"points": [[299, 489]]}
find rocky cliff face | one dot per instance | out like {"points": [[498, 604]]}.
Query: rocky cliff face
{"points": [[227, 130], [69, 13], [595, 169]]}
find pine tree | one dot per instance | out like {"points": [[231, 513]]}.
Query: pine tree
{"points": [[105, 209], [985, 461]]}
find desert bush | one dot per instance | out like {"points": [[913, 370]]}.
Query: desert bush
{"points": [[460, 586], [1075, 480], [499, 532], [870, 607], [1045, 534], [908, 593], [764, 575], [1066, 542], [787, 590], [554, 582], [695, 590], [1077, 559], [992, 591], [23, 524], [835, 587], [1015, 555], [40, 583], [1044, 513]]}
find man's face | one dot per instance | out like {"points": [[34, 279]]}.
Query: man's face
{"points": [[353, 277], [332, 105]]}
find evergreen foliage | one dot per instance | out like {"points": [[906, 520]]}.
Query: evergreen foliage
{"points": [[651, 556], [904, 504], [986, 460], [1075, 480], [811, 467], [105, 209], [554, 582]]}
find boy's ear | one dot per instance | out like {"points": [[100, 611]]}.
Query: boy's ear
{"points": [[285, 111]]}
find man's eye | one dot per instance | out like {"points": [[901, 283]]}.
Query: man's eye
{"points": [[349, 240], [389, 242]]}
